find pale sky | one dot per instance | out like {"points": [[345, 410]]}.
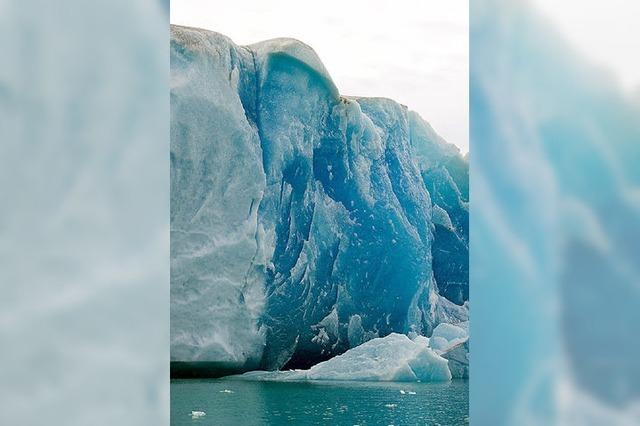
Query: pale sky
{"points": [[607, 33], [413, 51]]}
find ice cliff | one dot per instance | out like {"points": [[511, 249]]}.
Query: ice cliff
{"points": [[303, 222]]}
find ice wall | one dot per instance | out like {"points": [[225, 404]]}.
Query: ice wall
{"points": [[303, 222]]}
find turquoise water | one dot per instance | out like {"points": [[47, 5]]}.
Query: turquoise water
{"points": [[234, 402]]}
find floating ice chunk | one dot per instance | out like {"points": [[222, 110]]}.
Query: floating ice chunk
{"points": [[421, 340], [458, 356], [438, 344], [391, 358], [449, 332], [464, 325], [446, 336]]}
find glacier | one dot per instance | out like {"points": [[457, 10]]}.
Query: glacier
{"points": [[304, 223]]}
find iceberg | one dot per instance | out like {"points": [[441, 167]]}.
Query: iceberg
{"points": [[447, 335], [304, 223], [452, 343], [391, 358], [458, 357], [198, 414]]}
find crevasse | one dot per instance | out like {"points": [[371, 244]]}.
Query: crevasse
{"points": [[303, 222]]}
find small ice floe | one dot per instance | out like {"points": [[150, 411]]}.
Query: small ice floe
{"points": [[391, 406], [197, 414], [226, 391]]}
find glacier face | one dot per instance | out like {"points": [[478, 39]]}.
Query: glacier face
{"points": [[303, 223]]}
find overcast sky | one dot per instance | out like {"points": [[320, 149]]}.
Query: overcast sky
{"points": [[413, 51], [605, 33]]}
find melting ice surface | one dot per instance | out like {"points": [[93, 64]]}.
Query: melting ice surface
{"points": [[304, 223]]}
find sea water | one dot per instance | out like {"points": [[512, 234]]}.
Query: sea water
{"points": [[234, 402]]}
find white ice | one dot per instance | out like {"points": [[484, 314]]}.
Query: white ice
{"points": [[445, 336], [391, 358]]}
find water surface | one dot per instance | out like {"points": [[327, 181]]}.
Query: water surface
{"points": [[234, 402]]}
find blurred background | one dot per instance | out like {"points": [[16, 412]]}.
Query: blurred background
{"points": [[84, 223], [555, 229], [555, 209]]}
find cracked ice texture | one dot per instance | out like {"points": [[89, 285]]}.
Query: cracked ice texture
{"points": [[303, 222]]}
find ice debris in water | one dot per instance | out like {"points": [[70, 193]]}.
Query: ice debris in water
{"points": [[302, 221]]}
